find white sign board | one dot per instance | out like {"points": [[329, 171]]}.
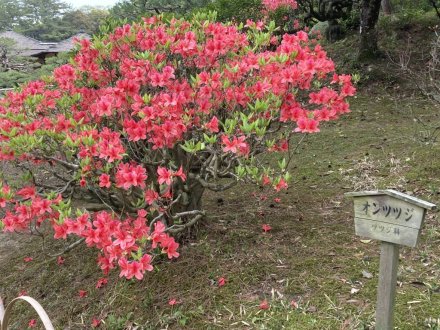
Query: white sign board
{"points": [[395, 219], [389, 216]]}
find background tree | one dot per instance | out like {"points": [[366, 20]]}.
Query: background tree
{"points": [[132, 10], [10, 14], [50, 31], [86, 20], [387, 7], [331, 11], [436, 5], [237, 10], [368, 47], [42, 11], [41, 19]]}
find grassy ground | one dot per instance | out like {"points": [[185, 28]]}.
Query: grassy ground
{"points": [[311, 256]]}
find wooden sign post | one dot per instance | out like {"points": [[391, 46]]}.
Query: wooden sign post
{"points": [[395, 219]]}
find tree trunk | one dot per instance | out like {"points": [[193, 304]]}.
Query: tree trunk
{"points": [[368, 48], [191, 198], [386, 7], [334, 31], [436, 7], [189, 204]]}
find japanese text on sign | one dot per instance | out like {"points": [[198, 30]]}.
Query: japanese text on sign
{"points": [[387, 210]]}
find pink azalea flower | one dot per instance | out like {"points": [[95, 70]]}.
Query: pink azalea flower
{"points": [[212, 126], [266, 228], [32, 323], [104, 181], [264, 305], [164, 176], [96, 323], [281, 185], [101, 282], [82, 293], [221, 282], [60, 260]]}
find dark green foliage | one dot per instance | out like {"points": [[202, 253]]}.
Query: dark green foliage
{"points": [[237, 10], [133, 10], [335, 12], [71, 23], [41, 11], [324, 10], [51, 31], [436, 5], [13, 78], [421, 5], [10, 14], [87, 21]]}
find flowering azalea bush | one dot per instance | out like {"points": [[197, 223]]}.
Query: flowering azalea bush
{"points": [[273, 5], [144, 120]]}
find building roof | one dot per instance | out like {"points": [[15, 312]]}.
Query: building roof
{"points": [[68, 44], [26, 46]]}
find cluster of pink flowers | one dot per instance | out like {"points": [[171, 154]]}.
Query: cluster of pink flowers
{"points": [[273, 5], [115, 239], [127, 106]]}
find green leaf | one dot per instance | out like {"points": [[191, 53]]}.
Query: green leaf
{"points": [[282, 163]]}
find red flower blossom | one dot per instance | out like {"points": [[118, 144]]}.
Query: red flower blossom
{"points": [[221, 282], [165, 176], [264, 305], [173, 302], [60, 260], [151, 196], [27, 192], [32, 323], [282, 184], [104, 181], [307, 125], [212, 126], [101, 282], [273, 5], [96, 322], [266, 228], [130, 176], [82, 293]]}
